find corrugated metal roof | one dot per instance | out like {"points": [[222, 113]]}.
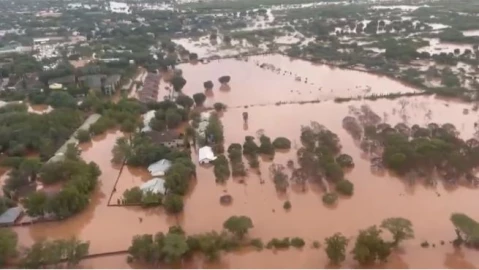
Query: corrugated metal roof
{"points": [[155, 185], [10, 215]]}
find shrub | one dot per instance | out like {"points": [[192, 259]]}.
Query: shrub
{"points": [[425, 244], [83, 136], [316, 244], [173, 203], [345, 187], [330, 198], [297, 242], [219, 106], [257, 243], [282, 143], [287, 205], [277, 243]]}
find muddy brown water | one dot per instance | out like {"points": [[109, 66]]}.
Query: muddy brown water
{"points": [[375, 197]]}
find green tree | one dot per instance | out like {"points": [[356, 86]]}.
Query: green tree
{"points": [[336, 248], [345, 187], [370, 247], [238, 225], [83, 136], [173, 203], [400, 228], [36, 204], [8, 245], [199, 99], [175, 247], [282, 143]]}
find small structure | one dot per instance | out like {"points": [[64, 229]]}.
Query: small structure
{"points": [[9, 217], [206, 155], [167, 138], [155, 185], [56, 86], [147, 119], [159, 168]]}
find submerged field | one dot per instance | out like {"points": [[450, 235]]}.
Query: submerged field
{"points": [[258, 91]]}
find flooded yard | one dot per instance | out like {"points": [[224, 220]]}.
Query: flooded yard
{"points": [[266, 80], [375, 197]]}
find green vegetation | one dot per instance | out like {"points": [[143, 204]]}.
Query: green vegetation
{"points": [[238, 225], [282, 143], [238, 168], [221, 169], [330, 198], [370, 248], [467, 230], [400, 228], [336, 248], [45, 254], [8, 245], [81, 178], [345, 187], [287, 205], [297, 242]]}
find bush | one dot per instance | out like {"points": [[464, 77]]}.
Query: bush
{"points": [[297, 242], [282, 143], [257, 243], [330, 198], [173, 203], [316, 244], [208, 85], [224, 79], [287, 205], [425, 244], [83, 136], [277, 243], [345, 187], [219, 106]]}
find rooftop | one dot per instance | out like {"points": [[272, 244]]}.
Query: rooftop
{"points": [[11, 215]]}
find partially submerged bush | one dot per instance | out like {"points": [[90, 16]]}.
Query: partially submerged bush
{"points": [[282, 143], [330, 198], [297, 242], [345, 187]]}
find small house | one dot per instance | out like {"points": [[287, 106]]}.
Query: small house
{"points": [[159, 168], [155, 185], [167, 138], [206, 155]]}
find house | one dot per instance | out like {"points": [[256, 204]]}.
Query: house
{"points": [[206, 155], [56, 86], [159, 168], [167, 138], [101, 83], [9, 217], [155, 185], [69, 80]]}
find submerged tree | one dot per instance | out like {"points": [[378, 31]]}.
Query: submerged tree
{"points": [[238, 225], [370, 247], [336, 248], [400, 228]]}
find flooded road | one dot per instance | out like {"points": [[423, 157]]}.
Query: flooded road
{"points": [[375, 197]]}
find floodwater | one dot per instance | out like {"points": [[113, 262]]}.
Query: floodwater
{"points": [[291, 81], [375, 197]]}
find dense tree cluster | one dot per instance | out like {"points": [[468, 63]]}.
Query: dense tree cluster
{"points": [[320, 156], [174, 246], [266, 147], [81, 179], [235, 154], [251, 151], [467, 230], [124, 114], [199, 99], [135, 196], [419, 151], [282, 143], [221, 169], [369, 247], [55, 254], [214, 131], [169, 116], [22, 132]]}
